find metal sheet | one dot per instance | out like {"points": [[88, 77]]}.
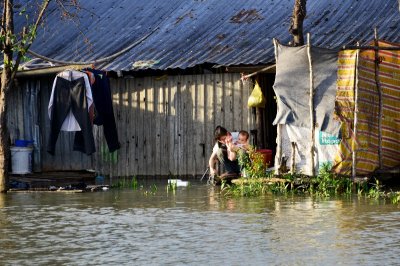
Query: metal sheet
{"points": [[190, 33]]}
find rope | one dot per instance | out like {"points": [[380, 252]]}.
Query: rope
{"points": [[101, 60]]}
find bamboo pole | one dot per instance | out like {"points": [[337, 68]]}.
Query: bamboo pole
{"points": [[279, 126], [47, 71], [265, 69], [312, 112], [293, 166], [378, 87], [354, 154]]}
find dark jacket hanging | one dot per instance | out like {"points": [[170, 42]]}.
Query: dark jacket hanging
{"points": [[104, 114]]}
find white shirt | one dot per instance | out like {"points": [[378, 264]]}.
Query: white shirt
{"points": [[215, 148], [70, 123]]}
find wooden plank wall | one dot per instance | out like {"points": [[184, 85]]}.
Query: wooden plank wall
{"points": [[28, 119], [165, 124]]}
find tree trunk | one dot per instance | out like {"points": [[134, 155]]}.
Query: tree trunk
{"points": [[296, 26], [9, 70], [6, 83], [4, 135]]}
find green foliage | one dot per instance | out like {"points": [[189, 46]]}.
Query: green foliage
{"points": [[361, 188], [14, 46], [153, 188], [326, 184], [250, 189], [244, 159], [134, 183], [252, 163], [375, 191], [22, 12], [126, 183], [281, 188], [394, 197], [172, 186], [108, 157]]}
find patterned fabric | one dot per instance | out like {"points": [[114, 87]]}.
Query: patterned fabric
{"points": [[368, 130]]}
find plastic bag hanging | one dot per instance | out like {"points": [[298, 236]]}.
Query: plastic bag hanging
{"points": [[256, 98]]}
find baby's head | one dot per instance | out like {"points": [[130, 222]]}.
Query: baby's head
{"points": [[243, 137]]}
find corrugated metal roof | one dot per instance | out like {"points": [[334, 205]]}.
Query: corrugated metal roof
{"points": [[193, 32]]}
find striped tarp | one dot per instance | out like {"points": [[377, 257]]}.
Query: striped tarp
{"points": [[376, 137]]}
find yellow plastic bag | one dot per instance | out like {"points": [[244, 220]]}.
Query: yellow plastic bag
{"points": [[256, 98]]}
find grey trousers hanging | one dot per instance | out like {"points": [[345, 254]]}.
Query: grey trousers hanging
{"points": [[71, 95]]}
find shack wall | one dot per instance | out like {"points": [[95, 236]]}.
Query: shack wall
{"points": [[165, 124]]}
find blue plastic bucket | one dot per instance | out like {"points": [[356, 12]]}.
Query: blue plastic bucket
{"points": [[23, 143]]}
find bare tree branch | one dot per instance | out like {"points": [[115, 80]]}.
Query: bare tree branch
{"points": [[32, 35], [74, 17]]}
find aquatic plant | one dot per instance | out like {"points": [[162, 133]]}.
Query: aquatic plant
{"points": [[172, 186], [375, 191], [126, 183], [394, 197], [152, 191], [172, 183], [134, 183], [250, 189], [361, 187], [121, 183], [326, 184]]}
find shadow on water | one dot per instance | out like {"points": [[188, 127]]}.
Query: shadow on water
{"points": [[194, 225]]}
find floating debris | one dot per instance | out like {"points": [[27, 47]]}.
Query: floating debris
{"points": [[178, 182]]}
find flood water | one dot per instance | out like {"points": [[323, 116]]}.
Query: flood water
{"points": [[194, 226]]}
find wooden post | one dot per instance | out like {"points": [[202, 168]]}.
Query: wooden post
{"points": [[293, 166], [312, 115], [378, 87], [354, 153], [279, 126], [259, 125]]}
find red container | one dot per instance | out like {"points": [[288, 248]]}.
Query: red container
{"points": [[267, 156]]}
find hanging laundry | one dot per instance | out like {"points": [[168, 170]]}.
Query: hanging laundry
{"points": [[69, 107], [104, 112]]}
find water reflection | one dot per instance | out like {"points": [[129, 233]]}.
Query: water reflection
{"points": [[194, 226]]}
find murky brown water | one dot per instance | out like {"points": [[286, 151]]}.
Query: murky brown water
{"points": [[194, 227]]}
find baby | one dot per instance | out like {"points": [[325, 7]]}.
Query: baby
{"points": [[243, 139]]}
